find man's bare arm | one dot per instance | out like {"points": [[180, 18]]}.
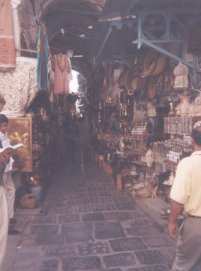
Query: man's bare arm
{"points": [[176, 211]]}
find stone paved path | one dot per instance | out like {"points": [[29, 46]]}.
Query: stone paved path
{"points": [[86, 225]]}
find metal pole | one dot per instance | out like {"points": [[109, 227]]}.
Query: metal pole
{"points": [[167, 53], [139, 41], [107, 36]]}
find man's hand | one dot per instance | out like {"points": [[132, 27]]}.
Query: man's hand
{"points": [[176, 210], [172, 229]]}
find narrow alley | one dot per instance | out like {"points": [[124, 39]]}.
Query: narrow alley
{"points": [[100, 135], [86, 225]]}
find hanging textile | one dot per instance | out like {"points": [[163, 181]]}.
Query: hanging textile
{"points": [[62, 74], [19, 87], [181, 76], [7, 41], [43, 55]]}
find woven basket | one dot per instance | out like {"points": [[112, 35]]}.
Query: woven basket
{"points": [[28, 202]]}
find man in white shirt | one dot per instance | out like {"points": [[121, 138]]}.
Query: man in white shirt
{"points": [[7, 175], [186, 197], [4, 224], [4, 219]]}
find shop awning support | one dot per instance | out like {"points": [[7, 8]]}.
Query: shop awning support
{"points": [[107, 36], [166, 52], [145, 37]]}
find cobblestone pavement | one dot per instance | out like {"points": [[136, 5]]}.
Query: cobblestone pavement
{"points": [[86, 225]]}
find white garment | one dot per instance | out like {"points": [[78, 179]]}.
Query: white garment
{"points": [[10, 190], [3, 224], [8, 183], [149, 158]]}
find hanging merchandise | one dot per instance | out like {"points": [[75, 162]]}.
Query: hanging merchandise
{"points": [[181, 77], [196, 106], [154, 64], [62, 73], [135, 84], [42, 55], [184, 107], [114, 91], [151, 110], [151, 88], [19, 86], [104, 89], [7, 41], [109, 79], [149, 158], [123, 79], [161, 64]]}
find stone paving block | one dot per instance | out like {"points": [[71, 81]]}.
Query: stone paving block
{"points": [[44, 229], [20, 268], [143, 220], [123, 201], [96, 248], [169, 254], [49, 265], [158, 241], [151, 268], [77, 232], [127, 244], [93, 217], [127, 205], [47, 234], [44, 219], [49, 239], [59, 251], [118, 216], [81, 263], [119, 260], [103, 207], [111, 269], [151, 257], [65, 219], [108, 230], [28, 255], [142, 230], [31, 264]]}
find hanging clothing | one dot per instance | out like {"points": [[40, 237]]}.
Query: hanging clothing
{"points": [[181, 76], [62, 74], [7, 39], [43, 55], [18, 87]]}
